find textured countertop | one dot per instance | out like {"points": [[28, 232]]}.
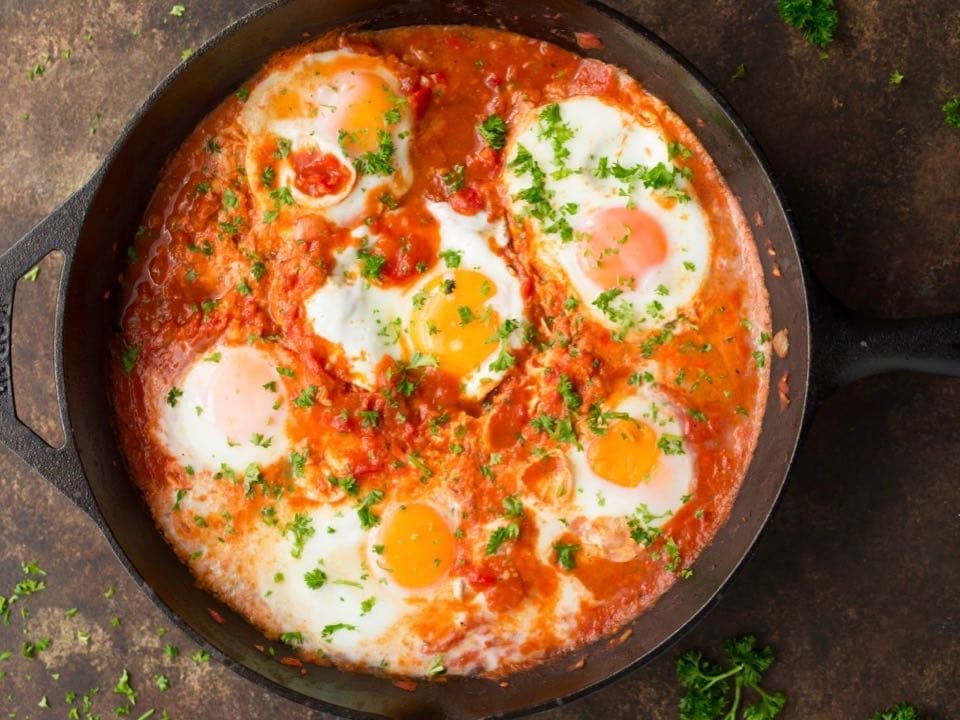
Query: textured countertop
{"points": [[856, 583]]}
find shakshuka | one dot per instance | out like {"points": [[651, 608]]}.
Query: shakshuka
{"points": [[442, 350]]}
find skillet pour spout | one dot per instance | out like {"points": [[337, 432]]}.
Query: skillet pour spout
{"points": [[93, 226]]}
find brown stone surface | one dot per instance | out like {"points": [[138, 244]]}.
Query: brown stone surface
{"points": [[857, 581]]}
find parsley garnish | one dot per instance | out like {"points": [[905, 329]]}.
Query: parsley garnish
{"points": [[951, 111], [307, 397], [454, 178], [367, 518], [552, 127], [816, 19], [371, 264], [671, 444], [369, 418], [501, 535], [900, 711], [302, 530], [348, 484], [291, 638], [329, 630], [315, 579], [173, 395], [379, 162], [620, 314], [710, 686], [283, 148], [565, 555], [571, 399], [493, 130], [503, 362], [512, 506], [128, 357], [451, 258], [598, 419]]}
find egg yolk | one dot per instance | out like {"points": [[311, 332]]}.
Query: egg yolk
{"points": [[363, 100], [453, 322], [417, 546], [626, 454], [226, 400], [621, 246]]}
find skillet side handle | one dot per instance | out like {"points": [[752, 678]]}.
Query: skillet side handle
{"points": [[58, 465], [849, 346]]}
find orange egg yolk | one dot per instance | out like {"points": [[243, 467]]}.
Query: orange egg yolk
{"points": [[363, 100], [453, 321], [621, 246], [417, 546], [626, 454]]}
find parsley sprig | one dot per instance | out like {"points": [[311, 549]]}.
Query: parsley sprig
{"points": [[900, 711], [816, 19], [717, 692]]}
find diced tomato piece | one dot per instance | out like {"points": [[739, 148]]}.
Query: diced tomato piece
{"points": [[467, 201], [319, 173], [594, 78], [588, 40], [419, 99]]}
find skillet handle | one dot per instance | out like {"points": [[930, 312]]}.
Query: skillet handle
{"points": [[61, 465], [849, 346]]}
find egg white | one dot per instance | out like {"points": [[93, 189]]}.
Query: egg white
{"points": [[601, 130], [223, 403], [314, 130], [361, 318]]}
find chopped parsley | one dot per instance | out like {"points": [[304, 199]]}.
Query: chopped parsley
{"points": [[512, 506], [307, 397], [598, 419], [454, 178], [620, 313], [502, 534], [815, 19], [371, 264], [172, 396], [348, 483], [552, 128], [659, 177], [951, 111], [538, 198], [379, 162], [283, 148], [566, 555], [671, 444], [503, 362], [302, 530], [493, 130], [329, 630], [315, 579], [451, 258], [571, 399], [367, 518], [369, 418], [640, 523], [291, 638], [128, 357]]}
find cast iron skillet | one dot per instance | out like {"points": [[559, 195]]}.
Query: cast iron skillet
{"points": [[93, 227]]}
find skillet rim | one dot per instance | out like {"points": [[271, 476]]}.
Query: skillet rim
{"points": [[759, 165]]}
